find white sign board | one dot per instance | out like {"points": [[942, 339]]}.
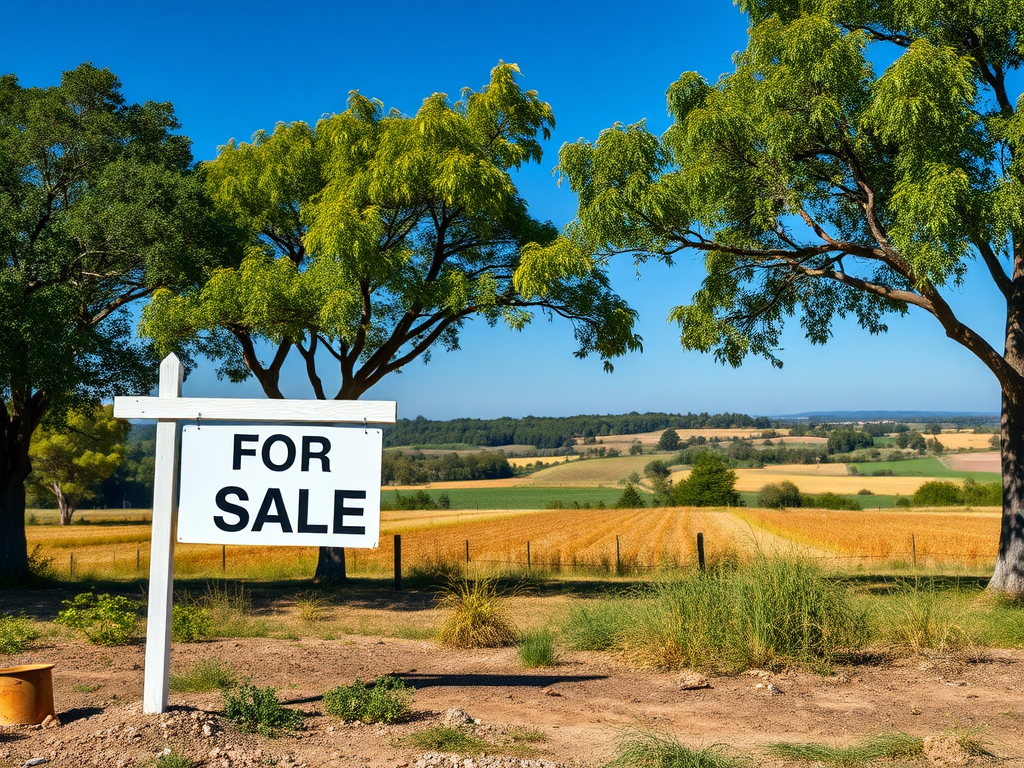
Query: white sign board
{"points": [[267, 484]]}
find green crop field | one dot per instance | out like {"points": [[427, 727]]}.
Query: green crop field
{"points": [[517, 498], [872, 501], [924, 467]]}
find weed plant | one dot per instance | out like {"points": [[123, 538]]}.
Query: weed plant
{"points": [[894, 745], [230, 610], [445, 738], [478, 615], [16, 633], [596, 625], [386, 701], [190, 623], [537, 649], [769, 612], [920, 619], [104, 619], [257, 709], [645, 749], [205, 675], [312, 607]]}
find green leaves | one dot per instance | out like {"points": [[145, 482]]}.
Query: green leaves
{"points": [[377, 235]]}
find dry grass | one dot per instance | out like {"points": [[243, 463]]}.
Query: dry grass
{"points": [[968, 441], [941, 537]]}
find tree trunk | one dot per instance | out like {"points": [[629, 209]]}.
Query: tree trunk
{"points": [[330, 567], [64, 505], [15, 466], [1008, 576]]}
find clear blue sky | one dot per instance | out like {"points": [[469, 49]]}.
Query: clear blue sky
{"points": [[232, 68]]}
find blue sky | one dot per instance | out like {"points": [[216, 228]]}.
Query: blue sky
{"points": [[233, 68]]}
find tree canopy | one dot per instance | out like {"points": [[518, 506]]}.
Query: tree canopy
{"points": [[99, 206], [374, 236], [819, 185]]}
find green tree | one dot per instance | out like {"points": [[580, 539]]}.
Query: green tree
{"points": [[816, 186], [630, 498], [711, 484], [71, 460], [373, 237], [98, 207], [779, 495], [846, 439], [669, 440]]}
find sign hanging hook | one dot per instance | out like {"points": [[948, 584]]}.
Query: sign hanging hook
{"points": [[365, 430], [199, 421]]}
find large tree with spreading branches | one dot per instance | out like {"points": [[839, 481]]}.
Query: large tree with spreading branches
{"points": [[99, 206], [373, 237], [817, 185]]}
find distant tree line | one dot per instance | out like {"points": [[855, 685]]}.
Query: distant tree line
{"points": [[399, 468], [553, 432]]}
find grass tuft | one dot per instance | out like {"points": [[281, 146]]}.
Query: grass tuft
{"points": [[537, 649], [478, 615], [920, 620], [646, 749], [445, 738], [890, 746], [312, 607], [230, 611], [205, 675], [257, 709]]}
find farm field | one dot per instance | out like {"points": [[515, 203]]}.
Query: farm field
{"points": [[930, 468], [512, 497], [563, 541]]}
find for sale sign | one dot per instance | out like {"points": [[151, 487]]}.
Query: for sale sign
{"points": [[280, 485]]}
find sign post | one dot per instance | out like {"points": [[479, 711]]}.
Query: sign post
{"points": [[272, 484]]}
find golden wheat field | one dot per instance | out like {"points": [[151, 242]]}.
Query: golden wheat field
{"points": [[827, 480], [559, 540], [940, 537]]}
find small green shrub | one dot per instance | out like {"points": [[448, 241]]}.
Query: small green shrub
{"points": [[894, 745], [206, 675], [537, 649], [386, 701], [778, 495], [903, 502], [174, 760], [190, 623], [939, 493], [39, 566], [104, 619], [16, 633], [478, 615], [312, 607], [257, 709]]}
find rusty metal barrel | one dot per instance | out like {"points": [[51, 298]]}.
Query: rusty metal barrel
{"points": [[26, 694]]}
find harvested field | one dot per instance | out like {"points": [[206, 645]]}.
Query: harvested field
{"points": [[966, 441], [941, 537], [754, 479], [973, 462]]}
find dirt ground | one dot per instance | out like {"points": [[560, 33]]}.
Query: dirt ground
{"points": [[578, 709]]}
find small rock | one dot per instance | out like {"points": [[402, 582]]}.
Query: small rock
{"points": [[36, 761], [691, 681], [774, 690], [455, 717], [551, 692], [207, 730]]}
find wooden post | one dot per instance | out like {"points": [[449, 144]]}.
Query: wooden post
{"points": [[913, 549], [72, 565], [467, 551], [223, 558], [138, 558], [161, 557], [528, 564], [617, 561], [398, 561], [700, 551]]}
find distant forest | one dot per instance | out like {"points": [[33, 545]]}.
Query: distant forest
{"points": [[548, 432]]}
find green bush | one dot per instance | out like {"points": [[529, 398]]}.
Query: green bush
{"points": [[16, 633], [537, 649], [257, 709], [104, 619], [830, 500], [939, 493], [778, 495], [982, 494], [903, 502], [386, 701], [630, 498], [711, 484], [190, 623]]}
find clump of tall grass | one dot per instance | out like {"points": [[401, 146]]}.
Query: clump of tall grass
{"points": [[646, 749], [478, 615], [769, 612], [920, 619], [230, 611], [435, 569], [537, 649], [205, 675], [892, 746], [312, 607]]}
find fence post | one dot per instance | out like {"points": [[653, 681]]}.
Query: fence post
{"points": [[467, 551], [138, 558], [398, 561], [700, 551], [913, 549], [617, 559], [223, 558], [528, 564], [72, 565]]}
